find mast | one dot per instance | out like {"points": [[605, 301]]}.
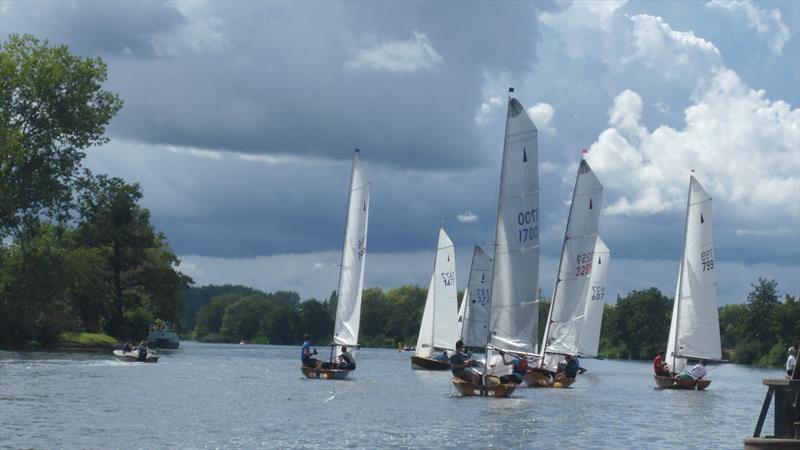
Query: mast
{"points": [[676, 311]]}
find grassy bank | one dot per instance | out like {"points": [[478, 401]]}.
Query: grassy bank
{"points": [[86, 340]]}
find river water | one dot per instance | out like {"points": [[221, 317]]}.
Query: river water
{"points": [[252, 396]]}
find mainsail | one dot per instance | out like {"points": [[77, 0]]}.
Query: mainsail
{"points": [[474, 312], [694, 329], [439, 326], [515, 276], [351, 274], [589, 338], [570, 295]]}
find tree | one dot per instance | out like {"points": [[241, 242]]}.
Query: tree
{"points": [[52, 107], [640, 325]]}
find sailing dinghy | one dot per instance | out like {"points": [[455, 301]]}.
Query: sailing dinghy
{"points": [[513, 313], [562, 335], [694, 328], [351, 277], [438, 331], [473, 315]]}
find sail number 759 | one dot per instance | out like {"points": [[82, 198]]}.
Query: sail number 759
{"points": [[529, 225], [707, 258]]}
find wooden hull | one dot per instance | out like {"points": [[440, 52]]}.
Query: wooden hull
{"points": [[543, 378], [494, 389], [421, 363], [674, 383], [325, 374]]}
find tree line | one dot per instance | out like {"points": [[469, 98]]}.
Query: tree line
{"points": [[635, 327], [78, 251]]}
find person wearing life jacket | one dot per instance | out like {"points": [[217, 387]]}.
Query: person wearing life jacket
{"points": [[518, 369]]}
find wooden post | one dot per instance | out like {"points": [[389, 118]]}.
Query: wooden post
{"points": [[764, 410]]}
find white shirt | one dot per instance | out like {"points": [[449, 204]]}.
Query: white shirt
{"points": [[790, 362], [698, 371]]}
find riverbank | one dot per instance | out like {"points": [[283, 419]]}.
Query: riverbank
{"points": [[85, 341]]}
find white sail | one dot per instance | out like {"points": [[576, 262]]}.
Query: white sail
{"points": [[568, 306], [462, 312], [589, 339], [474, 313], [425, 337], [351, 274], [515, 276], [442, 326], [694, 329]]}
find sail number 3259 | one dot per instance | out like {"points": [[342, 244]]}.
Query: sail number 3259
{"points": [[707, 258], [529, 223], [583, 264]]}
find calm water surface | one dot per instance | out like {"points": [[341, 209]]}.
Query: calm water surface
{"points": [[232, 396]]}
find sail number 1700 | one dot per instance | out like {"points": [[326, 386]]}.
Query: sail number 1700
{"points": [[529, 225]]}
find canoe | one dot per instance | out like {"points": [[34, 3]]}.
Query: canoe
{"points": [[675, 383], [543, 378], [422, 363], [494, 388], [325, 373], [134, 356]]}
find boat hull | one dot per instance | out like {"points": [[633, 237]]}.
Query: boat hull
{"points": [[163, 339], [675, 383], [134, 356], [543, 378], [422, 363], [493, 389], [324, 374]]}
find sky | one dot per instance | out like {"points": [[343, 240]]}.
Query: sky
{"points": [[240, 120]]}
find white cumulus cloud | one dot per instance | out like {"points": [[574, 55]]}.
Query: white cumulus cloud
{"points": [[542, 115], [412, 55], [743, 147], [468, 216], [764, 22]]}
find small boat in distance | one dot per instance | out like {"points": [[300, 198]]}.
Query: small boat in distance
{"points": [[438, 330], [351, 278], [694, 328], [163, 334], [135, 355]]}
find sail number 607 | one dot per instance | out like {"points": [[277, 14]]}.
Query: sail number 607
{"points": [[529, 221]]}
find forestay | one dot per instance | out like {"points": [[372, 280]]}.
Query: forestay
{"points": [[570, 296], [515, 276], [439, 328], [474, 312], [589, 339], [694, 329], [351, 275]]}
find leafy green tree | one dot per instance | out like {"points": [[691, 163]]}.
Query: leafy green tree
{"points": [[52, 107], [760, 302], [316, 320], [641, 324], [242, 319], [194, 298], [209, 318], [281, 326]]}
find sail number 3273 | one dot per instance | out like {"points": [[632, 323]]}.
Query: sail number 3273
{"points": [[707, 258], [529, 225]]}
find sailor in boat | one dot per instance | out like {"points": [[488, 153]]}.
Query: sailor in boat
{"points": [[128, 346], [571, 369], [306, 354], [697, 372], [460, 365], [443, 357], [660, 368], [346, 360], [518, 369]]}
